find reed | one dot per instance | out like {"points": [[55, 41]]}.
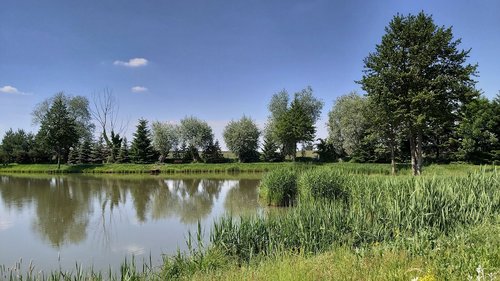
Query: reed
{"points": [[380, 209]]}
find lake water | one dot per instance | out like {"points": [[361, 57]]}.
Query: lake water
{"points": [[55, 221]]}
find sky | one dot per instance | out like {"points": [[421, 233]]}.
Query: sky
{"points": [[216, 60]]}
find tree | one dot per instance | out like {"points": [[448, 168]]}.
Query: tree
{"points": [[242, 138], [196, 134], [348, 124], [114, 148], [141, 150], [97, 153], [105, 111], [294, 122], [270, 148], [78, 110], [59, 129], [123, 156], [477, 132], [418, 77], [325, 150], [212, 153], [165, 137], [17, 146], [73, 155], [85, 152]]}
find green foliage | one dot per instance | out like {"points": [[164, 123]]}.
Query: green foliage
{"points": [[73, 156], [477, 132], [141, 150], [78, 110], [280, 187], [58, 129], [410, 212], [242, 138], [212, 153], [123, 155], [323, 183], [294, 122], [418, 77], [17, 147], [97, 153], [270, 150], [196, 134], [114, 146], [347, 123], [165, 137], [85, 152]]}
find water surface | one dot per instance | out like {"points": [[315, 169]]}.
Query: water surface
{"points": [[55, 221]]}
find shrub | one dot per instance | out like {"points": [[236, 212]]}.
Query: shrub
{"points": [[280, 187]]}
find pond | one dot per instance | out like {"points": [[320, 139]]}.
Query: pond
{"points": [[56, 221]]}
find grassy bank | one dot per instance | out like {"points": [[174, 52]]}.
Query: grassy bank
{"points": [[347, 225], [193, 168]]}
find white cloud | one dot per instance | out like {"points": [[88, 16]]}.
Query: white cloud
{"points": [[139, 89], [135, 62], [10, 90]]}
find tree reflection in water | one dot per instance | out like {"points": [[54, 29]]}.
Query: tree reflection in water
{"points": [[65, 208]]}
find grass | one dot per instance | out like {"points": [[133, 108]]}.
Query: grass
{"points": [[194, 168], [260, 167], [441, 226]]}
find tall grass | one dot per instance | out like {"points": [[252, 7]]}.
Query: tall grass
{"points": [[323, 183], [411, 210], [279, 187]]}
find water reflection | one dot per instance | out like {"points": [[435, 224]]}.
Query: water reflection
{"points": [[63, 210]]}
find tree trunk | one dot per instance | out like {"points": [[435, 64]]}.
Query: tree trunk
{"points": [[418, 151], [413, 154], [393, 160], [58, 159]]}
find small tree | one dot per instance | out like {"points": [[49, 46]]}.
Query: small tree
{"points": [[270, 150], [123, 155], [85, 151], [97, 152], [141, 150], [242, 138], [325, 151], [212, 153], [73, 155]]}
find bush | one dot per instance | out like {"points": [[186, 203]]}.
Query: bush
{"points": [[323, 183], [280, 187]]}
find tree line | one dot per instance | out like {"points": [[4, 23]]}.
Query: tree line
{"points": [[420, 104]]}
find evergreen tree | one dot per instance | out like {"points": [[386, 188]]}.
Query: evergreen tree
{"points": [[123, 155], [73, 155], [114, 147], [96, 155], [212, 153], [85, 151], [141, 150], [270, 151]]}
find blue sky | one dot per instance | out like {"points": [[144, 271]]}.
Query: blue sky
{"points": [[216, 60]]}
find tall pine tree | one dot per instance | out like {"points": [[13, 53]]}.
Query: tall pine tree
{"points": [[141, 150]]}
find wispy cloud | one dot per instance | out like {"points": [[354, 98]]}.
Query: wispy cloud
{"points": [[135, 62], [10, 90], [139, 89]]}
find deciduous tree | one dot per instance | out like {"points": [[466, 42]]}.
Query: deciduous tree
{"points": [[242, 138]]}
